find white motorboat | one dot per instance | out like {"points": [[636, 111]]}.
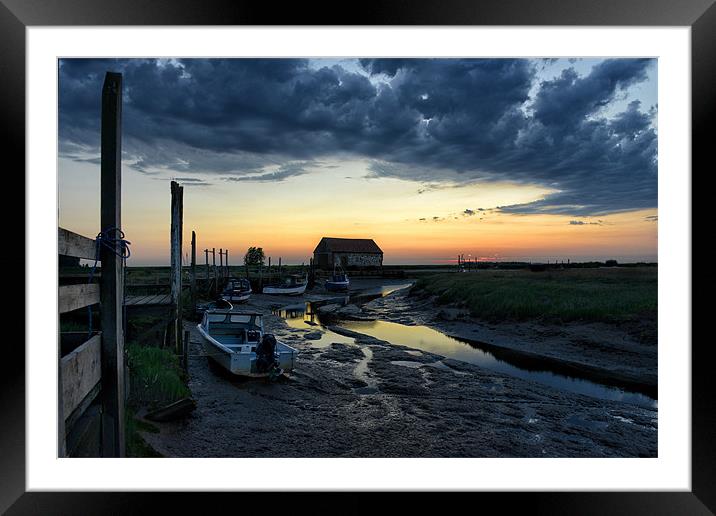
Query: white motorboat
{"points": [[293, 285], [237, 342]]}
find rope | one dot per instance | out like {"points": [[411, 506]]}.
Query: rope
{"points": [[110, 238]]}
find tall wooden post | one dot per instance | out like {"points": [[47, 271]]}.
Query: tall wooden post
{"points": [[261, 277], [193, 273], [221, 264], [226, 263], [279, 269], [213, 269], [269, 271], [111, 291], [176, 241]]}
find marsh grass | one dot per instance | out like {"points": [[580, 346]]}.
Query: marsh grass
{"points": [[604, 294], [155, 376]]}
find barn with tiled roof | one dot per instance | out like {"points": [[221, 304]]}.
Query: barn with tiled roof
{"points": [[349, 253]]}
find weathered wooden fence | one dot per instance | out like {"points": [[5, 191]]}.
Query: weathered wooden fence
{"points": [[91, 375]]}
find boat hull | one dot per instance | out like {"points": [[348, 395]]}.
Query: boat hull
{"points": [[337, 286], [285, 291], [244, 364], [236, 297]]}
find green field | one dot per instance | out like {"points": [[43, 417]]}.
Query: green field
{"points": [[606, 294]]}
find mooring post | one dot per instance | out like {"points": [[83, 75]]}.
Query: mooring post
{"points": [[213, 269], [221, 266], [279, 269], [261, 277], [193, 273], [185, 355], [111, 288], [269, 271], [176, 262]]}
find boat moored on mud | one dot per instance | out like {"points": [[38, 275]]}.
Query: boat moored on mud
{"points": [[338, 281], [293, 285], [237, 290], [237, 342]]}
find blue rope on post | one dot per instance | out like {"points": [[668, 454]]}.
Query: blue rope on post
{"points": [[105, 238]]}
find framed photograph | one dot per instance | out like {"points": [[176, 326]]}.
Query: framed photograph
{"points": [[442, 248]]}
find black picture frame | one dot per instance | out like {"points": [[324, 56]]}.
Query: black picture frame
{"points": [[16, 15]]}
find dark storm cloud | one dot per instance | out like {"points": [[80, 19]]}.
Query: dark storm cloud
{"points": [[439, 121], [282, 173]]}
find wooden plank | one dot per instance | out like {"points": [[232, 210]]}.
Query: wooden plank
{"points": [[84, 438], [72, 244], [112, 269], [72, 297], [81, 371]]}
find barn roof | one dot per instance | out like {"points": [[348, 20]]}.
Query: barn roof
{"points": [[347, 245]]}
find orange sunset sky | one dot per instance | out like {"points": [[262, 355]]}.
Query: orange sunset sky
{"points": [[531, 160]]}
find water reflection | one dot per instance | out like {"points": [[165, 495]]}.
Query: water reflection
{"points": [[427, 339], [430, 340]]}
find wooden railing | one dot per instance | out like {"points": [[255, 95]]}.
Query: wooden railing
{"points": [[96, 367]]}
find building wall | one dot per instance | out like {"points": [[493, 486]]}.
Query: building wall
{"points": [[358, 259], [326, 261]]}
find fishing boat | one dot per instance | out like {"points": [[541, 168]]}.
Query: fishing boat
{"points": [[292, 285], [237, 342], [338, 281], [237, 291]]}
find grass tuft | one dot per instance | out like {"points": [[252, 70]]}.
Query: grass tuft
{"points": [[155, 376]]}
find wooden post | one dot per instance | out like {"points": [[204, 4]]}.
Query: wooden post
{"points": [[269, 271], [111, 290], [226, 262], [213, 269], [279, 269], [193, 273], [221, 264], [185, 355], [176, 233]]}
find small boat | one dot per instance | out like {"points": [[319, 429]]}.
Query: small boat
{"points": [[237, 342], [338, 281], [293, 285], [237, 291]]}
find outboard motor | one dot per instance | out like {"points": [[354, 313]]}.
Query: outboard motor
{"points": [[265, 359]]}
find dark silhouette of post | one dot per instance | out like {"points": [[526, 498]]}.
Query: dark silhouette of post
{"points": [[193, 272], [111, 291], [226, 263], [221, 265], [177, 205], [213, 269]]}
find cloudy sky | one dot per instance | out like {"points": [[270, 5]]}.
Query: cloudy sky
{"points": [[526, 159]]}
